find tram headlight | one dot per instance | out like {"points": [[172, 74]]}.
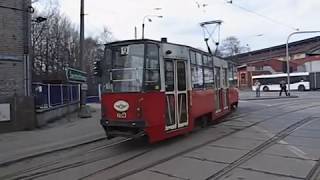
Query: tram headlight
{"points": [[139, 109]]}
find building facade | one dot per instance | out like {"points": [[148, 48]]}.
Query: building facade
{"points": [[16, 104], [14, 47], [304, 57]]}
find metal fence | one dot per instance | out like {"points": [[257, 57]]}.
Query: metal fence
{"points": [[51, 95]]}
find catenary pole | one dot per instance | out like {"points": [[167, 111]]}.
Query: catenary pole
{"points": [[84, 111]]}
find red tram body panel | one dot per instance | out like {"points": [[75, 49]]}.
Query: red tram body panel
{"points": [[160, 97]]}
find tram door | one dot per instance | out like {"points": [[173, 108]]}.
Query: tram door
{"points": [[176, 94], [225, 88], [217, 77]]}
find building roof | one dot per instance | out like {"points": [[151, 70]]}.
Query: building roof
{"points": [[297, 47]]}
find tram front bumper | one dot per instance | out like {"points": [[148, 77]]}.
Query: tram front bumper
{"points": [[130, 129]]}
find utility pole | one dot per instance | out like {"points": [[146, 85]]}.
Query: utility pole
{"points": [[84, 110], [135, 32]]}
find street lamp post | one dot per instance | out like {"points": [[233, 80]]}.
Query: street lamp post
{"points": [[287, 53], [144, 18]]}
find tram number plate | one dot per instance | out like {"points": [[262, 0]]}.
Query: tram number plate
{"points": [[122, 115]]}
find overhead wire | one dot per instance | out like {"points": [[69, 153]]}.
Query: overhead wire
{"points": [[263, 16], [205, 30]]}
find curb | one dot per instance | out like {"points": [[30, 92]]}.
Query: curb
{"points": [[34, 155], [266, 98]]}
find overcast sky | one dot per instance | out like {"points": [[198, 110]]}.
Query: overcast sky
{"points": [[267, 24]]}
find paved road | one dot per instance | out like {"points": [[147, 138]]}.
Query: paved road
{"points": [[263, 139]]}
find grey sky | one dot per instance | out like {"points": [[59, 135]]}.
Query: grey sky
{"points": [[180, 23]]}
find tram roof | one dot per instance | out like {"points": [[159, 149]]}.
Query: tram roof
{"points": [[134, 41]]}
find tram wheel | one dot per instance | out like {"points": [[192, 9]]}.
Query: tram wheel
{"points": [[110, 137], [204, 122]]}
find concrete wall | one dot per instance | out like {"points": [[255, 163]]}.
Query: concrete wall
{"points": [[22, 114], [52, 114], [14, 43]]}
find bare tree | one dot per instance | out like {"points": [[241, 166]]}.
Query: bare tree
{"points": [[94, 51], [231, 46], [105, 36], [55, 47]]}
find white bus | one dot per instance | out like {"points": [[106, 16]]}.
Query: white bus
{"points": [[298, 81]]}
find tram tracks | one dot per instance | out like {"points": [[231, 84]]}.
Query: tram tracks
{"points": [[282, 134], [279, 105], [104, 138], [252, 153], [34, 172], [77, 164], [30, 173], [314, 173]]}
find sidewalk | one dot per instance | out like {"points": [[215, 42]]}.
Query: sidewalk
{"points": [[67, 132]]}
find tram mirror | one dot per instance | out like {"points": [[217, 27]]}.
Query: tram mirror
{"points": [[168, 52]]}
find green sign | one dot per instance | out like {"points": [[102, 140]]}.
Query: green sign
{"points": [[76, 75]]}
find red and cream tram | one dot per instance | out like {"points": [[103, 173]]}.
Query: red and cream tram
{"points": [[161, 90]]}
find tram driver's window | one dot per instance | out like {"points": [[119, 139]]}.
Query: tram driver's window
{"points": [[152, 68]]}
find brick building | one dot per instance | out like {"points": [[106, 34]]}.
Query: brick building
{"points": [[304, 57], [16, 106], [14, 46]]}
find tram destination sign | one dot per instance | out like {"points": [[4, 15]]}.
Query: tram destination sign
{"points": [[75, 75]]}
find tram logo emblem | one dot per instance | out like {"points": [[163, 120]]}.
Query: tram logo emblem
{"points": [[121, 106]]}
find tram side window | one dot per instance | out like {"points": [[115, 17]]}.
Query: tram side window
{"points": [[193, 57], [208, 72], [208, 78], [169, 76], [199, 59], [152, 68], [207, 61], [210, 61], [196, 70], [217, 77], [196, 76], [224, 77]]}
